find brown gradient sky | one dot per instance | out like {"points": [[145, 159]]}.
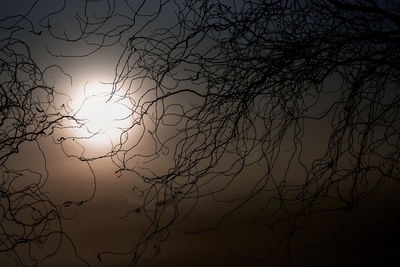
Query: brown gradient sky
{"points": [[365, 235]]}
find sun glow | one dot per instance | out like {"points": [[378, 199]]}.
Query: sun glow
{"points": [[101, 118]]}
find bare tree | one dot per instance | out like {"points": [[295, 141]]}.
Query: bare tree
{"points": [[31, 226], [253, 75], [221, 87]]}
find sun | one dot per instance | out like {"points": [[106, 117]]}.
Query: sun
{"points": [[101, 117]]}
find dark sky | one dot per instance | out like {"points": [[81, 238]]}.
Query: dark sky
{"points": [[247, 209]]}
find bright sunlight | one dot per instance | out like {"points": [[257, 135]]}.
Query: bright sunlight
{"points": [[104, 118]]}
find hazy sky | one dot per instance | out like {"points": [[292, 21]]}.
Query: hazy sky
{"points": [[78, 69]]}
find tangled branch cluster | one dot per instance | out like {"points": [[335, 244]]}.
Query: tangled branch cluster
{"points": [[253, 75], [30, 223], [221, 88]]}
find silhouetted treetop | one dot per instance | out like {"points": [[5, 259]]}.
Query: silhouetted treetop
{"points": [[299, 98]]}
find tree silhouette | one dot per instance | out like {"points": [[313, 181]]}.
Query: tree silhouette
{"points": [[223, 87], [255, 74], [30, 222]]}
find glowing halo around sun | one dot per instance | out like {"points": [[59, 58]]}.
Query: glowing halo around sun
{"points": [[102, 118]]}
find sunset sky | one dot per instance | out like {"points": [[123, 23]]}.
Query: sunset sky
{"points": [[151, 146]]}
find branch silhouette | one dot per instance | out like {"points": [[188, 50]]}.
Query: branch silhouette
{"points": [[220, 88], [31, 223], [243, 83]]}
